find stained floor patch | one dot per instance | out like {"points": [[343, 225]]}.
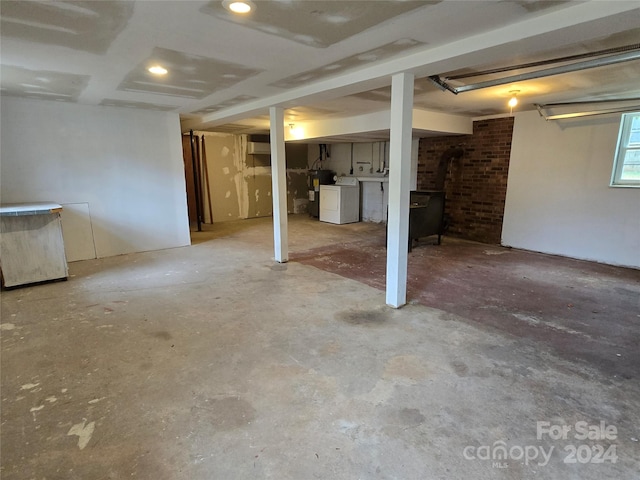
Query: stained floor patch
{"points": [[224, 413], [461, 368], [363, 317], [162, 335], [406, 366], [405, 417], [567, 304]]}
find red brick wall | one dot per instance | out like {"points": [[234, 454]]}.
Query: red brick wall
{"points": [[476, 183]]}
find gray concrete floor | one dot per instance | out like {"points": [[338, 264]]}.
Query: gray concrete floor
{"points": [[214, 362]]}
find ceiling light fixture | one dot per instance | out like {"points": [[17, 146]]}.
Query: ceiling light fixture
{"points": [[158, 70], [236, 6], [295, 132], [513, 101]]}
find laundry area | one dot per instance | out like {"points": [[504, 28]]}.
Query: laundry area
{"points": [[339, 182], [336, 183], [233, 179], [348, 182]]}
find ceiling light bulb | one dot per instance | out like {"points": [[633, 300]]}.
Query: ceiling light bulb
{"points": [[239, 7], [295, 132], [158, 70], [513, 101]]}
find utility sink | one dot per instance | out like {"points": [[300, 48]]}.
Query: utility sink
{"points": [[373, 178]]}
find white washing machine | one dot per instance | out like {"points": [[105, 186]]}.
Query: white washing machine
{"points": [[340, 203]]}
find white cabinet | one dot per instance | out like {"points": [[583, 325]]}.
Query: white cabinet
{"points": [[339, 203], [31, 244]]}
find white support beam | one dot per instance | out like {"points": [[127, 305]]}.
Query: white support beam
{"points": [[279, 185], [399, 185], [423, 120]]}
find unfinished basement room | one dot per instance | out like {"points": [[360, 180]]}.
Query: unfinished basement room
{"points": [[304, 239]]}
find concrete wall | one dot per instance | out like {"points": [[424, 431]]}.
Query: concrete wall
{"points": [[118, 172], [558, 198]]}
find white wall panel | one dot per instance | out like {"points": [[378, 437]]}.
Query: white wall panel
{"points": [[558, 196], [77, 232], [126, 164]]}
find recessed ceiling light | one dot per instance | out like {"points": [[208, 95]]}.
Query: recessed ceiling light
{"points": [[237, 6], [158, 70]]}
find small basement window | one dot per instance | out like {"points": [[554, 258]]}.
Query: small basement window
{"points": [[626, 165]]}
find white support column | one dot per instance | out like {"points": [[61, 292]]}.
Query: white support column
{"points": [[279, 185], [399, 185]]}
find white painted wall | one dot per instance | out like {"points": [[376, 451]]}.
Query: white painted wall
{"points": [[126, 165], [558, 196]]}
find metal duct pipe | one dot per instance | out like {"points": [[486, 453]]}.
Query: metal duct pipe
{"points": [[589, 113], [574, 67], [551, 61]]}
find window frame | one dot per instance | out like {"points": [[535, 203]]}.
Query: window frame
{"points": [[622, 147]]}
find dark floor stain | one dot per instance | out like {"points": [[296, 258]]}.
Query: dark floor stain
{"points": [[45, 363], [162, 334], [411, 416], [406, 417], [224, 413], [460, 368], [362, 317], [541, 298]]}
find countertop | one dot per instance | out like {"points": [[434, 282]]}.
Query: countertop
{"points": [[21, 209]]}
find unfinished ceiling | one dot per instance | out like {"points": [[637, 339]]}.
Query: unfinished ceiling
{"points": [[317, 59], [192, 76], [84, 26], [316, 23], [354, 61], [43, 84]]}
